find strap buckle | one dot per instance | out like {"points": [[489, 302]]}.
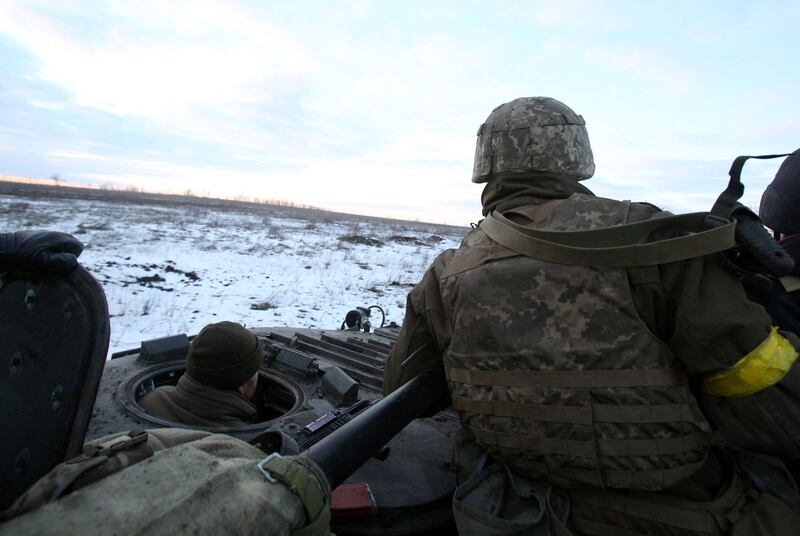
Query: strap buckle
{"points": [[260, 465]]}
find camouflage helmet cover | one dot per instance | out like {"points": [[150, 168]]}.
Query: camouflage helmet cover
{"points": [[533, 134]]}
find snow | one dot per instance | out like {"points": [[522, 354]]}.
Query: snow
{"points": [[173, 268]]}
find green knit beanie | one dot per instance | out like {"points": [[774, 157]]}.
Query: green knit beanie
{"points": [[224, 355]]}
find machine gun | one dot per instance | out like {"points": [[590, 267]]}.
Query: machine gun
{"points": [[345, 449], [315, 431]]}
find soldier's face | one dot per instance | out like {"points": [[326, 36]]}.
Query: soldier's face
{"points": [[248, 390]]}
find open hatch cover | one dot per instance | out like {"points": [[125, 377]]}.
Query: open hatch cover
{"points": [[54, 331]]}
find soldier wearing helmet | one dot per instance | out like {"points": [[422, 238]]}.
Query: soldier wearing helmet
{"points": [[576, 374], [778, 211], [779, 205]]}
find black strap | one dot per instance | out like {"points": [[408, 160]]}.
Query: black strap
{"points": [[727, 202], [757, 251]]}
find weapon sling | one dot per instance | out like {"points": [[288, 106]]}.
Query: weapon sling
{"points": [[620, 246], [629, 244]]}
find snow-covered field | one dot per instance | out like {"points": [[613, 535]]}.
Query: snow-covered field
{"points": [[172, 268]]}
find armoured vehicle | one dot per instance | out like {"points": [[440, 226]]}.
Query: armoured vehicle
{"points": [[58, 390], [53, 371]]}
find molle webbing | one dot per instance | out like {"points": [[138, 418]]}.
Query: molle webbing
{"points": [[624, 245], [593, 449], [552, 367], [570, 378], [542, 445], [578, 414], [539, 412]]}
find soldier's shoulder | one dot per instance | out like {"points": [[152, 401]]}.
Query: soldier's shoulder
{"points": [[155, 398], [441, 260], [445, 255], [642, 210]]}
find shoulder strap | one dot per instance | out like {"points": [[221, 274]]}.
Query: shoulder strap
{"points": [[618, 246], [728, 200], [757, 250], [65, 476], [300, 480], [629, 245]]}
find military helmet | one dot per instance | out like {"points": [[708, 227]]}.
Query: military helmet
{"points": [[778, 208], [533, 134]]}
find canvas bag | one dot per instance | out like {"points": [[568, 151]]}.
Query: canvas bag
{"points": [[177, 481]]}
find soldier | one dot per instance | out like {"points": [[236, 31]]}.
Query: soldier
{"points": [[162, 481], [573, 359], [778, 211], [222, 365], [220, 380], [779, 203]]}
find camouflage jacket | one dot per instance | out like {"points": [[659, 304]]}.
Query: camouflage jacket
{"points": [[697, 310], [195, 404]]}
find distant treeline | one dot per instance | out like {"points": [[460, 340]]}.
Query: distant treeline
{"points": [[56, 188], [55, 180]]}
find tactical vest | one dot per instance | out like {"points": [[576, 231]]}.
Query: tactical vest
{"points": [[553, 371]]}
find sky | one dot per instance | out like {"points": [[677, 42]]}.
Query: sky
{"points": [[373, 107]]}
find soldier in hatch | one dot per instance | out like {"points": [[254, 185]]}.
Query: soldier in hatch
{"points": [[220, 380], [222, 366], [166, 480], [581, 374]]}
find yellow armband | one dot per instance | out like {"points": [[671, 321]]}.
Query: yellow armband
{"points": [[761, 368]]}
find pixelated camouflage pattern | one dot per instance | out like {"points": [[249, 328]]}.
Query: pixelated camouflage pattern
{"points": [[522, 314], [533, 134]]}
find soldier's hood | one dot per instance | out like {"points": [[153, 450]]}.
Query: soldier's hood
{"points": [[516, 190]]}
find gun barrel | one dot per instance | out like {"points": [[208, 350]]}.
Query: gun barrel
{"points": [[342, 452]]}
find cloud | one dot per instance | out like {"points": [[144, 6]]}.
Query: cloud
{"points": [[786, 129], [377, 185], [656, 68], [47, 105], [360, 104], [575, 14], [680, 185], [223, 74], [197, 55], [237, 104]]}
